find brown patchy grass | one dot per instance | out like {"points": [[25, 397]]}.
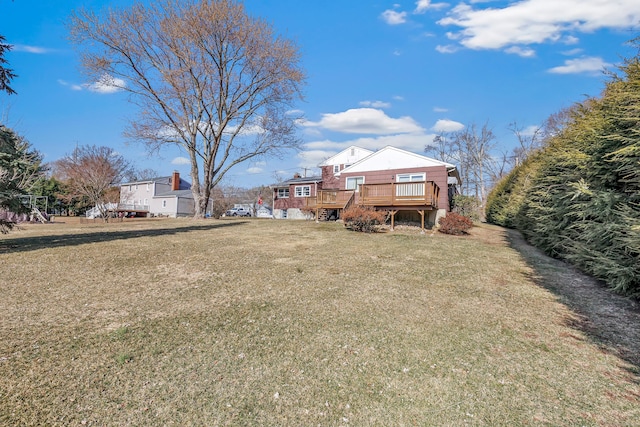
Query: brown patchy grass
{"points": [[259, 322]]}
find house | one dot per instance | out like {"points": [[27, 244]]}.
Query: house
{"points": [[263, 212], [164, 196], [409, 186]]}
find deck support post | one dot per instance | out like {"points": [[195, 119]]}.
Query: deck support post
{"points": [[421, 212], [393, 217], [317, 212]]}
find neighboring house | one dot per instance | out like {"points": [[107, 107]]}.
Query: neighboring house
{"points": [[164, 196], [264, 212], [411, 187], [291, 199]]}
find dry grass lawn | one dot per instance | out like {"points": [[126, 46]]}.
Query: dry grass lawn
{"points": [[261, 322]]}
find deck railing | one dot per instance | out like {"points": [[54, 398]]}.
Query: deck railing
{"points": [[423, 193], [330, 199], [132, 207]]}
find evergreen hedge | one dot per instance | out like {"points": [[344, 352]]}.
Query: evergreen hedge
{"points": [[578, 199]]}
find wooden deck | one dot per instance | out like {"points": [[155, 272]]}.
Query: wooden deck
{"points": [[331, 199], [409, 195], [398, 195]]}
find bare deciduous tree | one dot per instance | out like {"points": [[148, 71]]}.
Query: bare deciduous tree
{"points": [[529, 140], [92, 172], [207, 77], [471, 149]]}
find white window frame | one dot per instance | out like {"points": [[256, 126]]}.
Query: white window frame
{"points": [[283, 193], [359, 180], [336, 168], [411, 177], [302, 190]]}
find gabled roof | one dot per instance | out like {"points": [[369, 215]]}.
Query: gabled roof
{"points": [[304, 180], [347, 157], [176, 193], [184, 185], [390, 157], [161, 179]]}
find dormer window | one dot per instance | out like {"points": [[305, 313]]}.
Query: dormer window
{"points": [[336, 168]]}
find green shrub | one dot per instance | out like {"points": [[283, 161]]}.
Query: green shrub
{"points": [[468, 206], [363, 218], [455, 223]]}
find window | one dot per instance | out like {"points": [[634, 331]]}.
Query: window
{"points": [[148, 185], [346, 166], [354, 182], [410, 177], [283, 193], [336, 168], [303, 190]]}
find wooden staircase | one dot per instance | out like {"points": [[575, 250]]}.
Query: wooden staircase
{"points": [[38, 215]]}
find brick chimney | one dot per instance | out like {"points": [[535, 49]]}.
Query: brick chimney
{"points": [[175, 181]]}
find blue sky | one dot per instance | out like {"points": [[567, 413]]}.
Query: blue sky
{"points": [[379, 73]]}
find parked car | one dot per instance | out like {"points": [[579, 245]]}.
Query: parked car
{"points": [[237, 212]]}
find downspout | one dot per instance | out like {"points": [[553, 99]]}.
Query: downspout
{"points": [[273, 204]]}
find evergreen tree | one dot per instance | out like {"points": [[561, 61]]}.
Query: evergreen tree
{"points": [[20, 166]]}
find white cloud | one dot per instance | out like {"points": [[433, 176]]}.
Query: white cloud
{"points": [[392, 17], [446, 125], [570, 40], [70, 85], [30, 49], [524, 52], [447, 49], [530, 130], [572, 52], [106, 84], [366, 121], [180, 161], [440, 110], [423, 5], [538, 21], [588, 65], [255, 170], [375, 104]]}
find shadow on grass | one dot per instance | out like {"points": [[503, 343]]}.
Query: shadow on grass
{"points": [[27, 244], [609, 320]]}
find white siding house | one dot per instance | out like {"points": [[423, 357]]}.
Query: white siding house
{"points": [[164, 196]]}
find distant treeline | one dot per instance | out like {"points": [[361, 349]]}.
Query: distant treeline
{"points": [[578, 197]]}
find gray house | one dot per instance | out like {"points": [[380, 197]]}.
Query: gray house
{"points": [[164, 196]]}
